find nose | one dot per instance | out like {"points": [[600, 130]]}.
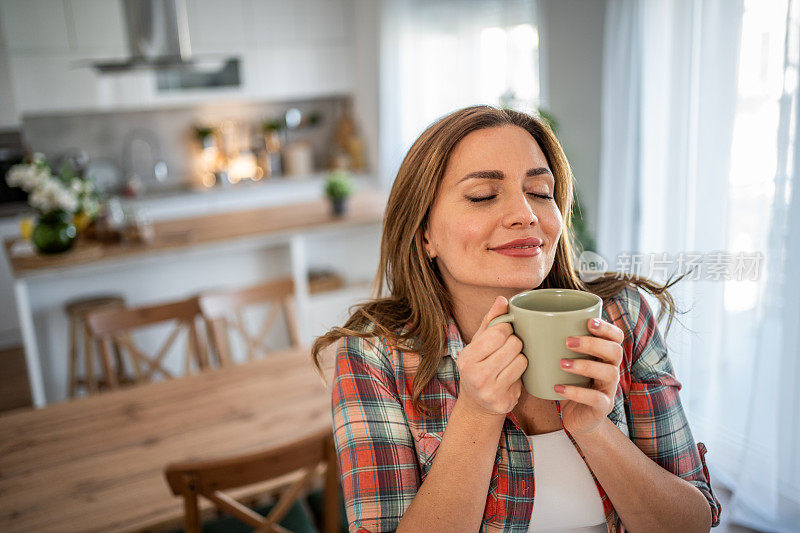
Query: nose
{"points": [[518, 211]]}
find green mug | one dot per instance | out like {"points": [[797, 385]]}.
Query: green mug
{"points": [[543, 319]]}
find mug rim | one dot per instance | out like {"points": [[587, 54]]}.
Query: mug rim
{"points": [[590, 307]]}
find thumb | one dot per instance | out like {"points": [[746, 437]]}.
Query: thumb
{"points": [[499, 307]]}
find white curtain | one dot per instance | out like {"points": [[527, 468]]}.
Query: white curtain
{"points": [[440, 56], [698, 160]]}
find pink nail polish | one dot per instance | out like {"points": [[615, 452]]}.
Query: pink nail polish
{"points": [[595, 322], [566, 363], [573, 342]]}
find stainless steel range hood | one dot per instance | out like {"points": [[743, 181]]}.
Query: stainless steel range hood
{"points": [[158, 38]]}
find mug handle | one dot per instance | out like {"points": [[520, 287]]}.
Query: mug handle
{"points": [[508, 317]]}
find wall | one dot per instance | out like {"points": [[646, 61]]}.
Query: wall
{"points": [[9, 118], [366, 50], [572, 56]]}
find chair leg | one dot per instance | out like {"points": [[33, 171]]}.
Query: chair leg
{"points": [[73, 356], [192, 522], [108, 370], [120, 362], [88, 361]]}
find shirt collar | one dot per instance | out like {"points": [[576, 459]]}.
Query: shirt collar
{"points": [[454, 342]]}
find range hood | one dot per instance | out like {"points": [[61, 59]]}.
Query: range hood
{"points": [[158, 39]]}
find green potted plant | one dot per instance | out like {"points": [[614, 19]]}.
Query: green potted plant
{"points": [[61, 200], [338, 187], [204, 135]]}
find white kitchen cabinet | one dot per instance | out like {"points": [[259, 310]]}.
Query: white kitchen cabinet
{"points": [[215, 25], [324, 21], [277, 22], [273, 22], [51, 83], [47, 82], [295, 49], [34, 25], [305, 70], [99, 27], [9, 115]]}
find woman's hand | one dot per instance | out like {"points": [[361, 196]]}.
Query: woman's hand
{"points": [[491, 365], [585, 408]]}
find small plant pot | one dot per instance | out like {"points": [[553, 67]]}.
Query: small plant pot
{"points": [[338, 206]]}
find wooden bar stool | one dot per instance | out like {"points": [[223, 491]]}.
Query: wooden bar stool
{"points": [[77, 311]]}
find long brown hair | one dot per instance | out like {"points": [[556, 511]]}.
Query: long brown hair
{"points": [[416, 295]]}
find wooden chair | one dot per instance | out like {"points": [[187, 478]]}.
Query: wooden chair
{"points": [[222, 312], [209, 478], [113, 327], [77, 310]]}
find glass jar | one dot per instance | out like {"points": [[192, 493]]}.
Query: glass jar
{"points": [[54, 232]]}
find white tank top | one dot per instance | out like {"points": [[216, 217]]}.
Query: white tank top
{"points": [[566, 497]]}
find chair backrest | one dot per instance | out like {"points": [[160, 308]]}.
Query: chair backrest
{"points": [[222, 311], [209, 478], [114, 326]]}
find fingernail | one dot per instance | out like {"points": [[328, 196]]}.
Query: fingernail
{"points": [[595, 322], [566, 363], [572, 342], [558, 388]]}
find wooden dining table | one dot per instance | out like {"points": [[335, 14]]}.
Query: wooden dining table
{"points": [[97, 463]]}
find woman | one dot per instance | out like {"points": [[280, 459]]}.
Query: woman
{"points": [[433, 427]]}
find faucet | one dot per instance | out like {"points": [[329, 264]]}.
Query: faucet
{"points": [[147, 138]]}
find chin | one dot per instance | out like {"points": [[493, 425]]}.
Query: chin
{"points": [[524, 284]]}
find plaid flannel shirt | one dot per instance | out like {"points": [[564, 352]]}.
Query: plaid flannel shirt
{"points": [[386, 448]]}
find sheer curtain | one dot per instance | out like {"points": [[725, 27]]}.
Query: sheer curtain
{"points": [[440, 56], [698, 160]]}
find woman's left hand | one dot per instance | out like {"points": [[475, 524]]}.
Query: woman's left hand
{"points": [[585, 408]]}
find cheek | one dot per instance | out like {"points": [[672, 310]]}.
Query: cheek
{"points": [[462, 232], [552, 223]]}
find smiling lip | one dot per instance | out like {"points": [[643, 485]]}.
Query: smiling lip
{"points": [[520, 248]]}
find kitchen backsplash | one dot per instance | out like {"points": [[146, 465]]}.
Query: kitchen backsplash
{"points": [[102, 135]]}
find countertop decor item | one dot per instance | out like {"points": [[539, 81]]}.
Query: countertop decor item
{"points": [[54, 232], [61, 200], [338, 188]]}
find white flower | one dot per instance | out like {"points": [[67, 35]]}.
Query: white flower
{"points": [[51, 195], [46, 191], [31, 177], [15, 174]]}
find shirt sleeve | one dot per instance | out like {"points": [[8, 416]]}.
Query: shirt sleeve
{"points": [[377, 459], [657, 422]]}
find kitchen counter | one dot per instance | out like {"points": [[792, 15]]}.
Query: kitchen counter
{"points": [[275, 191], [218, 228], [191, 255]]}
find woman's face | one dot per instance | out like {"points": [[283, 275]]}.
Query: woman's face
{"points": [[497, 188]]}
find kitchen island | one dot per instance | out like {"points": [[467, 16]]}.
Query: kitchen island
{"points": [[189, 255]]}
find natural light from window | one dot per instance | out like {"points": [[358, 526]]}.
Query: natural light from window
{"points": [[755, 165]]}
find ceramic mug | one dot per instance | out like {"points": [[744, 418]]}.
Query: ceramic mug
{"points": [[543, 319]]}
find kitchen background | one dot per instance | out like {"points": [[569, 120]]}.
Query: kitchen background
{"points": [[282, 92]]}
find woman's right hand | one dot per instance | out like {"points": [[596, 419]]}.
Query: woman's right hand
{"points": [[491, 366]]}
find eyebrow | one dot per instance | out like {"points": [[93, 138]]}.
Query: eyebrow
{"points": [[498, 175]]}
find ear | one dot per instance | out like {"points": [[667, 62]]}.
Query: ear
{"points": [[426, 242]]}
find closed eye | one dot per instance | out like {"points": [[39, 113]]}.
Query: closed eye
{"points": [[484, 198]]}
